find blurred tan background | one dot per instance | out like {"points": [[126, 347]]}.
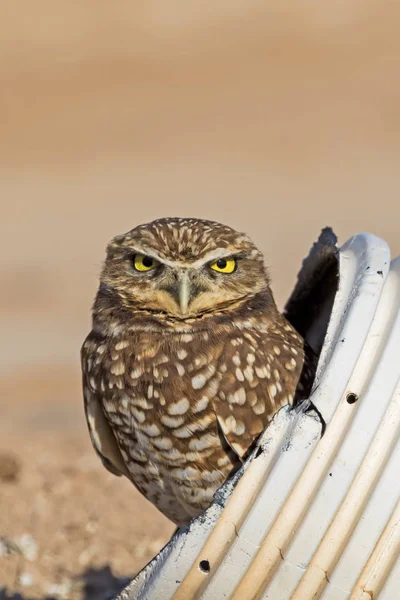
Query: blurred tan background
{"points": [[275, 118]]}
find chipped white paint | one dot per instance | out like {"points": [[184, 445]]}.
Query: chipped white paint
{"points": [[312, 517]]}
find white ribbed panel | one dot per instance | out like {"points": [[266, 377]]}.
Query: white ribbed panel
{"points": [[313, 517]]}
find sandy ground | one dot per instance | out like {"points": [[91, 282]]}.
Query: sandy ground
{"points": [[72, 532], [275, 119], [68, 528]]}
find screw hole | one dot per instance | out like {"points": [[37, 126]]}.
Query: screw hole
{"points": [[204, 566], [351, 398]]}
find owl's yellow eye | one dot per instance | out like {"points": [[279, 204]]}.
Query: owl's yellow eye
{"points": [[141, 262], [224, 265]]}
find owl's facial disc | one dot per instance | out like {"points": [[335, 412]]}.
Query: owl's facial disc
{"points": [[191, 289], [183, 268]]}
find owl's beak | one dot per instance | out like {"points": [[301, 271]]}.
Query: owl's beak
{"points": [[184, 292]]}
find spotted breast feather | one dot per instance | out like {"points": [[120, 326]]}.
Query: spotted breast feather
{"points": [[177, 413]]}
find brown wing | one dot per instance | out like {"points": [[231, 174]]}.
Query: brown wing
{"points": [[101, 434], [261, 373]]}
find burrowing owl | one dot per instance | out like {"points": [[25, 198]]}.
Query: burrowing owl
{"points": [[187, 361]]}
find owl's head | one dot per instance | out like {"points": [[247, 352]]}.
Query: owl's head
{"points": [[183, 268]]}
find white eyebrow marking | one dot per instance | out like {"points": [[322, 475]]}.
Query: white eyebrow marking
{"points": [[210, 256], [148, 252]]}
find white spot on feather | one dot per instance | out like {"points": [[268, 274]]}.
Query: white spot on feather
{"points": [[239, 429], [248, 373], [180, 368], [250, 358], [207, 441], [117, 368], [229, 424], [172, 421], [138, 414], [259, 408], [212, 476], [151, 430], [239, 374], [272, 390], [121, 345], [261, 372], [179, 408], [163, 443], [238, 397], [199, 381], [201, 404], [135, 373], [187, 474], [236, 360]]}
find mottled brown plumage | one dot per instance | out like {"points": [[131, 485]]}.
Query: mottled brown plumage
{"points": [[187, 362]]}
